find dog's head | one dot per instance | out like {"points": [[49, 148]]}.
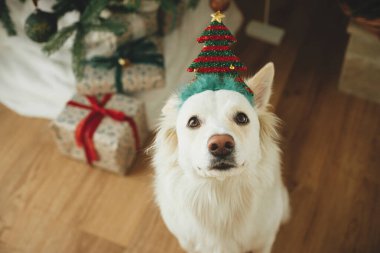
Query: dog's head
{"points": [[215, 133]]}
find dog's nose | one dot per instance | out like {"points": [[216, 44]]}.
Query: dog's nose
{"points": [[221, 145]]}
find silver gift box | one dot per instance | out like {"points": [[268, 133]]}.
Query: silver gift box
{"points": [[114, 140]]}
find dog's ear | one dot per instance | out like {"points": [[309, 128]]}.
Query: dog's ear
{"points": [[169, 120], [261, 84], [171, 107], [165, 141]]}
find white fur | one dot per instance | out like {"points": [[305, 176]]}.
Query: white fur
{"points": [[211, 211]]}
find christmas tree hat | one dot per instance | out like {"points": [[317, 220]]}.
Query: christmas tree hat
{"points": [[217, 67]]}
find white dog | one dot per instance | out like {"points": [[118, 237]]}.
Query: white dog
{"points": [[218, 174]]}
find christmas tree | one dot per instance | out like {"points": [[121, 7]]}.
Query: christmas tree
{"points": [[216, 56], [41, 26]]}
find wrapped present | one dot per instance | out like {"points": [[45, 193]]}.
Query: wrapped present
{"points": [[135, 66], [106, 131], [140, 19], [100, 43]]}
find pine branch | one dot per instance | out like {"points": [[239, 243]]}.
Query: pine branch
{"points": [[192, 4], [62, 7], [78, 54], [108, 26], [89, 21], [93, 10], [5, 18], [59, 38], [168, 5], [116, 6]]}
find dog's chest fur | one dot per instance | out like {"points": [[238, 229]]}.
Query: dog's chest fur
{"points": [[220, 207]]}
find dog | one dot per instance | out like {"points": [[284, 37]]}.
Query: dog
{"points": [[217, 164]]}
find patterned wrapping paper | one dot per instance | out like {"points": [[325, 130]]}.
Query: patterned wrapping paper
{"points": [[100, 43], [114, 140], [135, 77], [140, 24]]}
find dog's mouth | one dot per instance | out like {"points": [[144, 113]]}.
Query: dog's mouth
{"points": [[222, 168], [223, 165]]}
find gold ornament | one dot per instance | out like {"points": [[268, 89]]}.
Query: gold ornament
{"points": [[219, 5], [232, 67], [217, 16], [123, 62]]}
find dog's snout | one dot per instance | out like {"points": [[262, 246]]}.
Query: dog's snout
{"points": [[221, 145]]}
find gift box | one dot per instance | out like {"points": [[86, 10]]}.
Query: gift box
{"points": [[100, 43], [135, 66], [106, 131], [138, 17], [141, 23]]}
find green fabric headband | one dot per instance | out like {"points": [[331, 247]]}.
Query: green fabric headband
{"points": [[215, 82]]}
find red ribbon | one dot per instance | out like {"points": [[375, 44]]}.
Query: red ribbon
{"points": [[86, 128]]}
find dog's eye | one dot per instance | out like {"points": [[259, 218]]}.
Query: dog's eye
{"points": [[193, 122], [241, 118]]}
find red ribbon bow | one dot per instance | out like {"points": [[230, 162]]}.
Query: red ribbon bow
{"points": [[86, 128]]}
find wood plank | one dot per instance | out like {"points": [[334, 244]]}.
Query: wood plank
{"points": [[295, 17], [51, 203], [153, 237], [329, 153], [37, 231]]}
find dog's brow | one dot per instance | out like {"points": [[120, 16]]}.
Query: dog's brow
{"points": [[233, 109]]}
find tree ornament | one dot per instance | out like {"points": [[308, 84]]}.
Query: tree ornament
{"points": [[217, 16], [105, 14], [40, 25], [219, 5], [124, 62]]}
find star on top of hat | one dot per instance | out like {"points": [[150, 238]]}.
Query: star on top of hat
{"points": [[217, 16]]}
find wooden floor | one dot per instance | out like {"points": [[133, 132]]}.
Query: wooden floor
{"points": [[52, 204]]}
